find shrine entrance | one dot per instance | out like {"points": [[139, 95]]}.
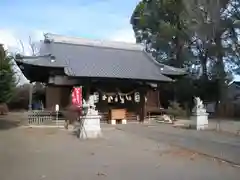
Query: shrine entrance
{"points": [[119, 104], [119, 100], [114, 99]]}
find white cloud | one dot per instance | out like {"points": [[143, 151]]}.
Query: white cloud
{"points": [[11, 40], [7, 38], [123, 35]]}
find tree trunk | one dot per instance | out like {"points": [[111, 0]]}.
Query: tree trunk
{"points": [[221, 74], [179, 47], [204, 68]]}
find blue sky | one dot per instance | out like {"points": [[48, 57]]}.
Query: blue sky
{"points": [[98, 19]]}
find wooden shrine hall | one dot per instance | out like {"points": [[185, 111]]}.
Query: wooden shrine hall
{"points": [[124, 77]]}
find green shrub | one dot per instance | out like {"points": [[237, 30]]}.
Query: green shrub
{"points": [[175, 110]]}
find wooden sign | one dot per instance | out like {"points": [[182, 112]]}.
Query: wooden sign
{"points": [[116, 114]]}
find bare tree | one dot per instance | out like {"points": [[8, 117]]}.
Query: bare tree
{"points": [[34, 48], [22, 46]]}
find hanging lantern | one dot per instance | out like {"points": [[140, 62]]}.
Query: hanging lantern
{"points": [[137, 97], [96, 97]]}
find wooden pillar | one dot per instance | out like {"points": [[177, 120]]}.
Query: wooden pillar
{"points": [[174, 92], [53, 97], [143, 105], [65, 94], [87, 89], [158, 98], [30, 96]]}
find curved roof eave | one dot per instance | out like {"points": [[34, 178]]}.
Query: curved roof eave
{"points": [[39, 61], [166, 69], [162, 78]]}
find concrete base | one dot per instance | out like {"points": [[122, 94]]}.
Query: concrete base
{"points": [[90, 127], [113, 122], [124, 121], [90, 134], [200, 121]]}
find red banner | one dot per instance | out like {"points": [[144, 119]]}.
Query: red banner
{"points": [[77, 96]]}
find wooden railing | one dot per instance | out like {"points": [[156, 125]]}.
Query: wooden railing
{"points": [[40, 117]]}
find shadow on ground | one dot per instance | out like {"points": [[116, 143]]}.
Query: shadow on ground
{"points": [[6, 124]]}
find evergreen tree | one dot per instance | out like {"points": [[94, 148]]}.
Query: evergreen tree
{"points": [[7, 80], [200, 35]]}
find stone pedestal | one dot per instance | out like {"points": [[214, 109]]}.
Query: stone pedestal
{"points": [[90, 122], [200, 120], [90, 127]]}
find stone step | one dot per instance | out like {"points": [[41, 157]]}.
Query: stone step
{"points": [[182, 123]]}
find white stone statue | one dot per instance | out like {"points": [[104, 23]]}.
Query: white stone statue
{"points": [[198, 107], [90, 102], [90, 121], [198, 103], [199, 116]]}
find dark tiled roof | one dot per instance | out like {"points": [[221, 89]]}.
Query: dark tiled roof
{"points": [[91, 58], [90, 61], [169, 70], [40, 61]]}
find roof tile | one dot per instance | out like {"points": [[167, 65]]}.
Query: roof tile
{"points": [[93, 61]]}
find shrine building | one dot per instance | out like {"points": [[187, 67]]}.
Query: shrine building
{"points": [[123, 76]]}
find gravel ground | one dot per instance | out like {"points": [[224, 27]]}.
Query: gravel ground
{"points": [[221, 145], [52, 154]]}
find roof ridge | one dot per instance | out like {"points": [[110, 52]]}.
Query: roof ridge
{"points": [[91, 42]]}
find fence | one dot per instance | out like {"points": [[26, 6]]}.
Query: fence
{"points": [[44, 117], [40, 117]]}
